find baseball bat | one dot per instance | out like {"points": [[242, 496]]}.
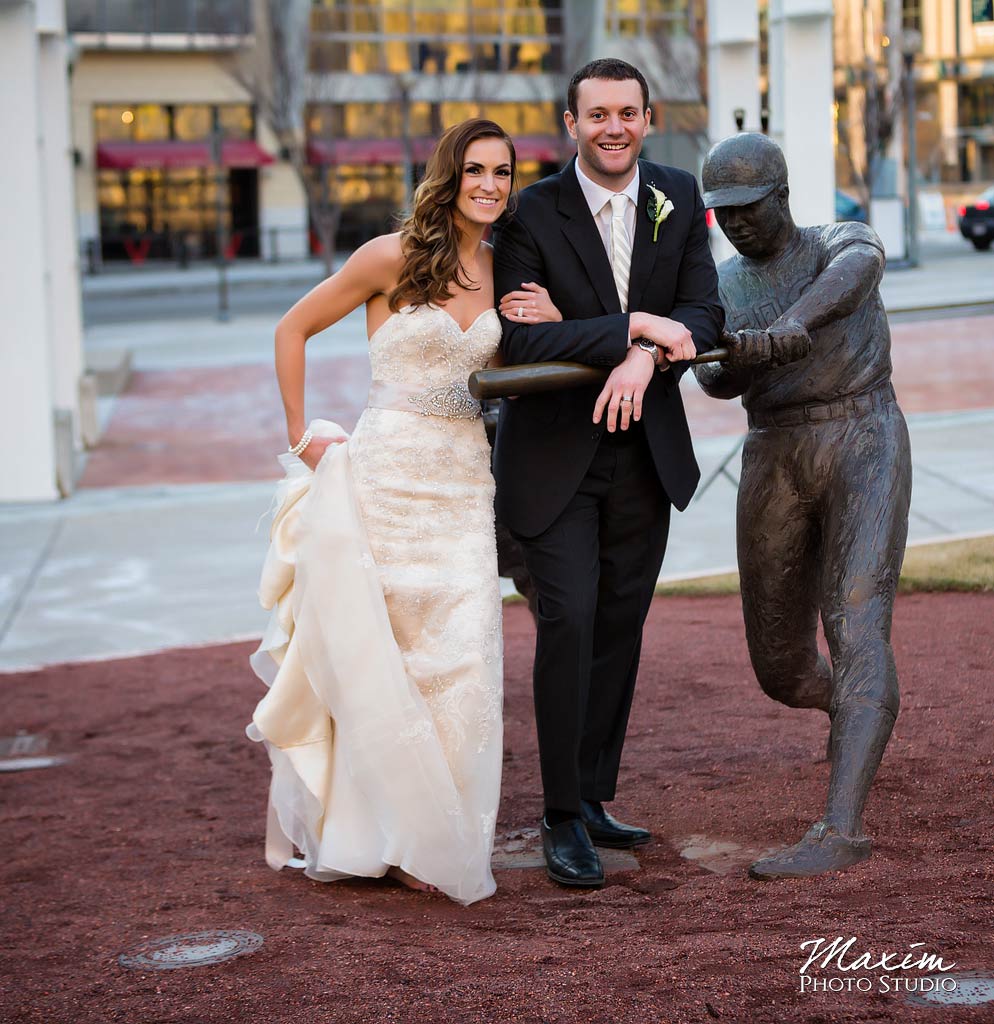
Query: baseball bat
{"points": [[534, 378]]}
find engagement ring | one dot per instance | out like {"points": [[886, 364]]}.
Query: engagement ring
{"points": [[521, 311]]}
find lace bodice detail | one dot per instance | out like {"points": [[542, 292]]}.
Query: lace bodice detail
{"points": [[424, 346]]}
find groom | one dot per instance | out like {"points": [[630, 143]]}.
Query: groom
{"points": [[585, 480]]}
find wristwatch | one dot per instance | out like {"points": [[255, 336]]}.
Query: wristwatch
{"points": [[648, 346]]}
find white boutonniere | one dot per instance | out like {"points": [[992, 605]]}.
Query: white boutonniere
{"points": [[658, 208]]}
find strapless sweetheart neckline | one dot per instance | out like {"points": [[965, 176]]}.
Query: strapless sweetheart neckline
{"points": [[405, 310]]}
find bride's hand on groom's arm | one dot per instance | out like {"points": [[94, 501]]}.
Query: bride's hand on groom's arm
{"points": [[628, 379], [534, 303]]}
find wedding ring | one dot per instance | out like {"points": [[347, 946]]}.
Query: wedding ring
{"points": [[521, 311], [627, 398]]}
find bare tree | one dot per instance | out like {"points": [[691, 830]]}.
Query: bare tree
{"points": [[882, 101], [274, 74]]}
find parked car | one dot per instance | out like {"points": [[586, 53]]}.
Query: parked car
{"points": [[976, 221], [848, 207]]}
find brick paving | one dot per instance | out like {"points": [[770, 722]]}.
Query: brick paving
{"points": [[225, 424]]}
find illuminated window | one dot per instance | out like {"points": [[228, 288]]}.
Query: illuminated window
{"points": [[436, 36], [193, 122], [151, 123], [155, 122], [642, 18], [911, 14]]}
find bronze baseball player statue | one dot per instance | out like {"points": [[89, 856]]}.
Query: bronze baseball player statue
{"points": [[826, 476]]}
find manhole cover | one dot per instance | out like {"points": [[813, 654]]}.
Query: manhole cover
{"points": [[22, 744], [195, 950], [523, 849], [965, 988], [26, 764]]}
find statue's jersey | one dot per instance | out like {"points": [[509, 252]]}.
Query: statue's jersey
{"points": [[849, 356]]}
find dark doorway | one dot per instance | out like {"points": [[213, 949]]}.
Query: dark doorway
{"points": [[243, 190]]}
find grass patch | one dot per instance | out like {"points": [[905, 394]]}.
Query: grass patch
{"points": [[964, 565], [707, 586], [951, 565]]}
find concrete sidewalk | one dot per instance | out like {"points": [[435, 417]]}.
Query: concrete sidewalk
{"points": [[119, 570], [951, 273]]}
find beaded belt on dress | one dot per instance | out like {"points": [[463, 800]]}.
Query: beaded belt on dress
{"points": [[451, 400], [817, 412]]}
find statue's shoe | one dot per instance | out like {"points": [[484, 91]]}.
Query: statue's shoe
{"points": [[822, 849]]}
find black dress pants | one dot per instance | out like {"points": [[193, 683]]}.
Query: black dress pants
{"points": [[594, 571]]}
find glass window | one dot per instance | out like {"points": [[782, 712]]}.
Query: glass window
{"points": [[365, 57], [423, 119], [151, 122], [192, 122], [911, 14], [114, 123], [398, 55], [327, 55], [169, 207], [237, 121], [632, 18], [453, 113], [324, 19], [525, 118]]}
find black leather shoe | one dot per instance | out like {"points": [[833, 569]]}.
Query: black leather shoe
{"points": [[570, 858], [609, 832]]}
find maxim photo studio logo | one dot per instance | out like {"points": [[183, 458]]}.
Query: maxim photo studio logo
{"points": [[855, 971]]}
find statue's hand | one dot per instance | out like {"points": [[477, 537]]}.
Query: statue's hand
{"points": [[747, 349], [789, 341]]}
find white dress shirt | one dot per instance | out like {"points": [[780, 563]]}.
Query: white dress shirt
{"points": [[599, 200]]}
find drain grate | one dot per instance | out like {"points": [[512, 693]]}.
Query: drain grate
{"points": [[23, 744], [196, 950], [26, 764], [26, 751], [964, 988]]}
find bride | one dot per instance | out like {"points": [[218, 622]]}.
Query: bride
{"points": [[383, 652]]}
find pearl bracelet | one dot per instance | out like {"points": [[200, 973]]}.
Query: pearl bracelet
{"points": [[301, 444]]}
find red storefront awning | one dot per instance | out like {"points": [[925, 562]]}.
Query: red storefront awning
{"points": [[123, 156], [545, 148]]}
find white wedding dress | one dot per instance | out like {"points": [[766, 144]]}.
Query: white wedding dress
{"points": [[383, 651]]}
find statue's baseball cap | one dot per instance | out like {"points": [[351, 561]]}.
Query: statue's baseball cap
{"points": [[742, 169]]}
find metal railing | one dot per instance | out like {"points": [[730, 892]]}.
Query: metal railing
{"points": [[144, 17], [197, 248]]}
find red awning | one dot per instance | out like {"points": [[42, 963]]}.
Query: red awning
{"points": [[125, 155], [366, 151], [545, 148]]}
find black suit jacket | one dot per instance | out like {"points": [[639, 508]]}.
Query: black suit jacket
{"points": [[545, 443]]}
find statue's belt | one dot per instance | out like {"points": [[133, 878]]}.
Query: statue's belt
{"points": [[818, 412]]}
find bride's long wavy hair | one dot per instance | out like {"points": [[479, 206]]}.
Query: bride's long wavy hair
{"points": [[429, 237]]}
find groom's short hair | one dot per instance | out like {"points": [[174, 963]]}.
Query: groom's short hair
{"points": [[613, 70]]}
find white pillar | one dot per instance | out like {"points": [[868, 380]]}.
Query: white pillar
{"points": [[733, 80], [733, 66], [801, 98], [62, 248], [27, 448]]}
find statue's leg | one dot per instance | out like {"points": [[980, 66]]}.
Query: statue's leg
{"points": [[866, 526], [867, 469], [777, 553]]}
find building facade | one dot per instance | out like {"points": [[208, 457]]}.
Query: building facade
{"points": [[154, 85], [950, 44]]}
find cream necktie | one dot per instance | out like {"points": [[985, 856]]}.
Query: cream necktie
{"points": [[621, 248]]}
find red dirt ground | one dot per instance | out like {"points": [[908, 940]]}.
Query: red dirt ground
{"points": [[155, 828]]}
